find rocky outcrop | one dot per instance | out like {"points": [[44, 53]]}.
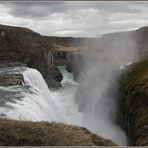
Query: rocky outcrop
{"points": [[141, 36], [5, 63], [134, 103], [53, 84], [9, 75], [23, 45], [75, 65], [55, 74], [26, 133], [11, 79]]}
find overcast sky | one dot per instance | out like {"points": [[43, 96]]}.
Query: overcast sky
{"points": [[73, 18]]}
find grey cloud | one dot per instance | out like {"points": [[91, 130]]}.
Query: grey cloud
{"points": [[71, 18], [33, 9], [109, 6], [43, 9]]}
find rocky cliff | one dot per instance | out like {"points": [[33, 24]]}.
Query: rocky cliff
{"points": [[25, 46], [71, 51], [134, 102]]}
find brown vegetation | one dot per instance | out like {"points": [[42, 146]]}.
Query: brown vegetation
{"points": [[27, 133]]}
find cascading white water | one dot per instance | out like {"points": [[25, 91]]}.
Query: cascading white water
{"points": [[37, 105], [99, 114], [97, 99], [65, 99], [97, 94]]}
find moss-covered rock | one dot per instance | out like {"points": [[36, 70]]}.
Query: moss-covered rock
{"points": [[134, 102], [27, 133]]}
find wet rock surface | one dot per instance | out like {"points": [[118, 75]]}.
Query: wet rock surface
{"points": [[11, 79], [54, 74], [53, 84]]}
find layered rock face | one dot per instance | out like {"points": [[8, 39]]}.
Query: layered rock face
{"points": [[25, 133], [21, 44], [141, 35], [134, 102], [25, 46], [11, 79]]}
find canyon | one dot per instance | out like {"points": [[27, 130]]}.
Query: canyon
{"points": [[22, 47]]}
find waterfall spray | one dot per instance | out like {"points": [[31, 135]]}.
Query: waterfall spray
{"points": [[98, 89]]}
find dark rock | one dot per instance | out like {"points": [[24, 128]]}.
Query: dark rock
{"points": [[60, 57], [54, 73], [11, 79], [134, 103], [53, 84], [76, 65], [22, 45], [69, 68], [2, 115], [10, 76], [7, 63]]}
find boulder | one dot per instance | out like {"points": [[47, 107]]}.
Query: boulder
{"points": [[53, 84], [54, 74]]}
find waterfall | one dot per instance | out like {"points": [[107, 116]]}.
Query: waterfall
{"points": [[65, 99], [37, 105], [97, 95], [97, 99]]}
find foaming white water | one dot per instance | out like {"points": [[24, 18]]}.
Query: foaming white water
{"points": [[37, 105], [65, 99]]}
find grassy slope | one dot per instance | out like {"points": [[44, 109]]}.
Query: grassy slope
{"points": [[23, 133], [134, 102]]}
